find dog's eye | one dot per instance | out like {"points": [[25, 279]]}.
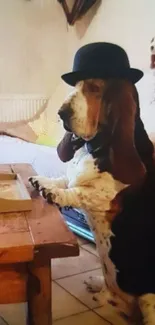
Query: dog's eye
{"points": [[93, 88]]}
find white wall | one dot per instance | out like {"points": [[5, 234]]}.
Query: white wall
{"points": [[32, 45], [128, 23], [37, 46]]}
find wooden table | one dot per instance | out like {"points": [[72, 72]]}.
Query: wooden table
{"points": [[28, 242]]}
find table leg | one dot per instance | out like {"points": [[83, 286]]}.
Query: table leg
{"points": [[39, 293]]}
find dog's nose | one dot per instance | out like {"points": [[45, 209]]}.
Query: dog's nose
{"points": [[65, 112], [152, 48]]}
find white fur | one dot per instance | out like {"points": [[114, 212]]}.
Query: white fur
{"points": [[84, 187], [147, 306], [79, 119]]}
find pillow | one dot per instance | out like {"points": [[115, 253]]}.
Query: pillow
{"points": [[31, 118]]}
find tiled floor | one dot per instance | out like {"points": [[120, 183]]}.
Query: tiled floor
{"points": [[72, 303]]}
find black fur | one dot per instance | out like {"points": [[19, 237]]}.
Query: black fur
{"points": [[133, 247]]}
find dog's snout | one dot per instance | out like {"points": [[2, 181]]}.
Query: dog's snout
{"points": [[65, 112]]}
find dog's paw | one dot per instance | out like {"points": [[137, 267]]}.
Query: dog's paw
{"points": [[103, 297], [47, 195], [94, 283], [100, 297], [40, 182], [34, 181], [50, 196], [115, 312]]}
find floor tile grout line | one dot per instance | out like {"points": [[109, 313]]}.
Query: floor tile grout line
{"points": [[108, 322], [87, 250], [89, 308], [73, 296], [81, 312], [90, 252], [68, 276]]}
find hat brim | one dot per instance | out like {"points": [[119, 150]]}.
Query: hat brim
{"points": [[131, 74]]}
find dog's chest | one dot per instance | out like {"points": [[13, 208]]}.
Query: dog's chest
{"points": [[81, 168], [82, 171]]}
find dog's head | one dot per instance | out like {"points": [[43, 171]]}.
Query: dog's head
{"points": [[96, 105], [81, 111]]}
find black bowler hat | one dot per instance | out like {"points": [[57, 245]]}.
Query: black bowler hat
{"points": [[103, 61]]}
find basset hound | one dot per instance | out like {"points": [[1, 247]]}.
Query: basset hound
{"points": [[105, 167]]}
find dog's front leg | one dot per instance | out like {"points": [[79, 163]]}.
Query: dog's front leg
{"points": [[147, 307], [40, 182], [63, 197]]}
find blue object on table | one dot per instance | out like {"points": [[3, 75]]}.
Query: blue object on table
{"points": [[77, 223]]}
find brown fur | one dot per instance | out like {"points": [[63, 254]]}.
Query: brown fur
{"points": [[113, 103], [92, 90]]}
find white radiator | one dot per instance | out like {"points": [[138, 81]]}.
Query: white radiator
{"points": [[21, 108]]}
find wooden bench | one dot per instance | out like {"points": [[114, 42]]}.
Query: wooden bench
{"points": [[28, 242]]}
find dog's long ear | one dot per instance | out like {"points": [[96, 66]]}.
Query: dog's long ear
{"points": [[125, 161]]}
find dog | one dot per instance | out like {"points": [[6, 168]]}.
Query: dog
{"points": [[104, 168]]}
